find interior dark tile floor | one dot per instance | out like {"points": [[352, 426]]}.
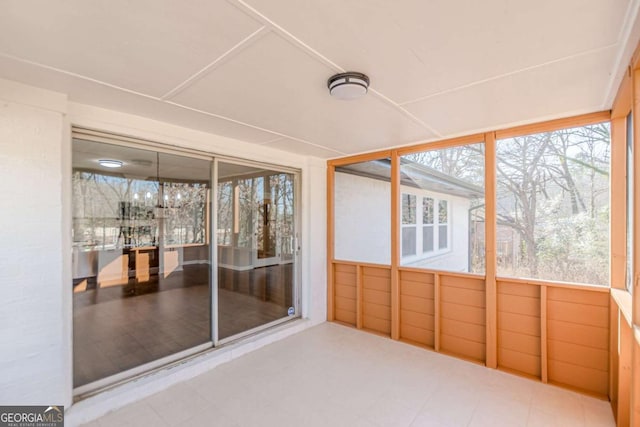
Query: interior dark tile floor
{"points": [[120, 327]]}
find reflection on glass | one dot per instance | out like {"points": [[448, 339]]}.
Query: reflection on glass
{"points": [[553, 205], [448, 185], [140, 258], [255, 234], [408, 209], [362, 212]]}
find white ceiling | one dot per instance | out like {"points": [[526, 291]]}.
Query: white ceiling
{"points": [[256, 70]]}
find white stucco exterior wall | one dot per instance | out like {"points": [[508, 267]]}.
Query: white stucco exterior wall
{"points": [[33, 334], [35, 247], [362, 219], [363, 224]]}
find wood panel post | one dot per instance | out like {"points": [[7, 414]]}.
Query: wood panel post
{"points": [[618, 203], [625, 392], [620, 348], [436, 311], [635, 385], [359, 297], [544, 370], [330, 251], [395, 249], [490, 251], [635, 378], [636, 197]]}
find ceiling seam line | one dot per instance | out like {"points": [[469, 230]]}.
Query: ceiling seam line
{"points": [[287, 34], [510, 73], [175, 104], [282, 135], [269, 141], [281, 30], [407, 113], [80, 76], [246, 42]]}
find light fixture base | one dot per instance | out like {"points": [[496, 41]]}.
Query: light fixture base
{"points": [[349, 85]]}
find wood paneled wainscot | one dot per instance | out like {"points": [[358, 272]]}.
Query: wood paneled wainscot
{"points": [[557, 333], [444, 311], [362, 294], [376, 298], [462, 315], [345, 280], [519, 346], [417, 307], [578, 338]]}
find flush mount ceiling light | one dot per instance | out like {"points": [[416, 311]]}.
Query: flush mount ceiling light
{"points": [[349, 85], [107, 163]]}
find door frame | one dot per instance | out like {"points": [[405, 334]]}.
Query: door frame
{"points": [[137, 372]]}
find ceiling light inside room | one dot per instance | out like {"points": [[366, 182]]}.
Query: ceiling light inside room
{"points": [[108, 163], [349, 85]]}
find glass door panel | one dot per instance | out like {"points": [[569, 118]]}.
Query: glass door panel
{"points": [[141, 263], [255, 235]]}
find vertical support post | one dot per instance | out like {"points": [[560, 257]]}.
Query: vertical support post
{"points": [[635, 371], [618, 203], [618, 246], [359, 297], [614, 356], [625, 388], [636, 197], [330, 236], [395, 249], [543, 335], [635, 378], [436, 312], [490, 250]]}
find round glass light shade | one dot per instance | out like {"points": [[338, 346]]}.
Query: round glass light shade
{"points": [[347, 86]]}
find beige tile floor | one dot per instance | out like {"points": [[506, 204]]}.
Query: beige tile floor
{"points": [[332, 375]]}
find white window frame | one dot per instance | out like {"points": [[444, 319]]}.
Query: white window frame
{"points": [[419, 253], [439, 224], [414, 225]]}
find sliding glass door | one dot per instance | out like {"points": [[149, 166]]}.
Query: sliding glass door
{"points": [[143, 262], [256, 247]]}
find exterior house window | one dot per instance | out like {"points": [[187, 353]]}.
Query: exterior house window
{"points": [[429, 231], [427, 225], [449, 186], [409, 226], [443, 224]]}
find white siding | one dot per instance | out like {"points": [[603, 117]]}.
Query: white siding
{"points": [[362, 219], [35, 347], [363, 224]]}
